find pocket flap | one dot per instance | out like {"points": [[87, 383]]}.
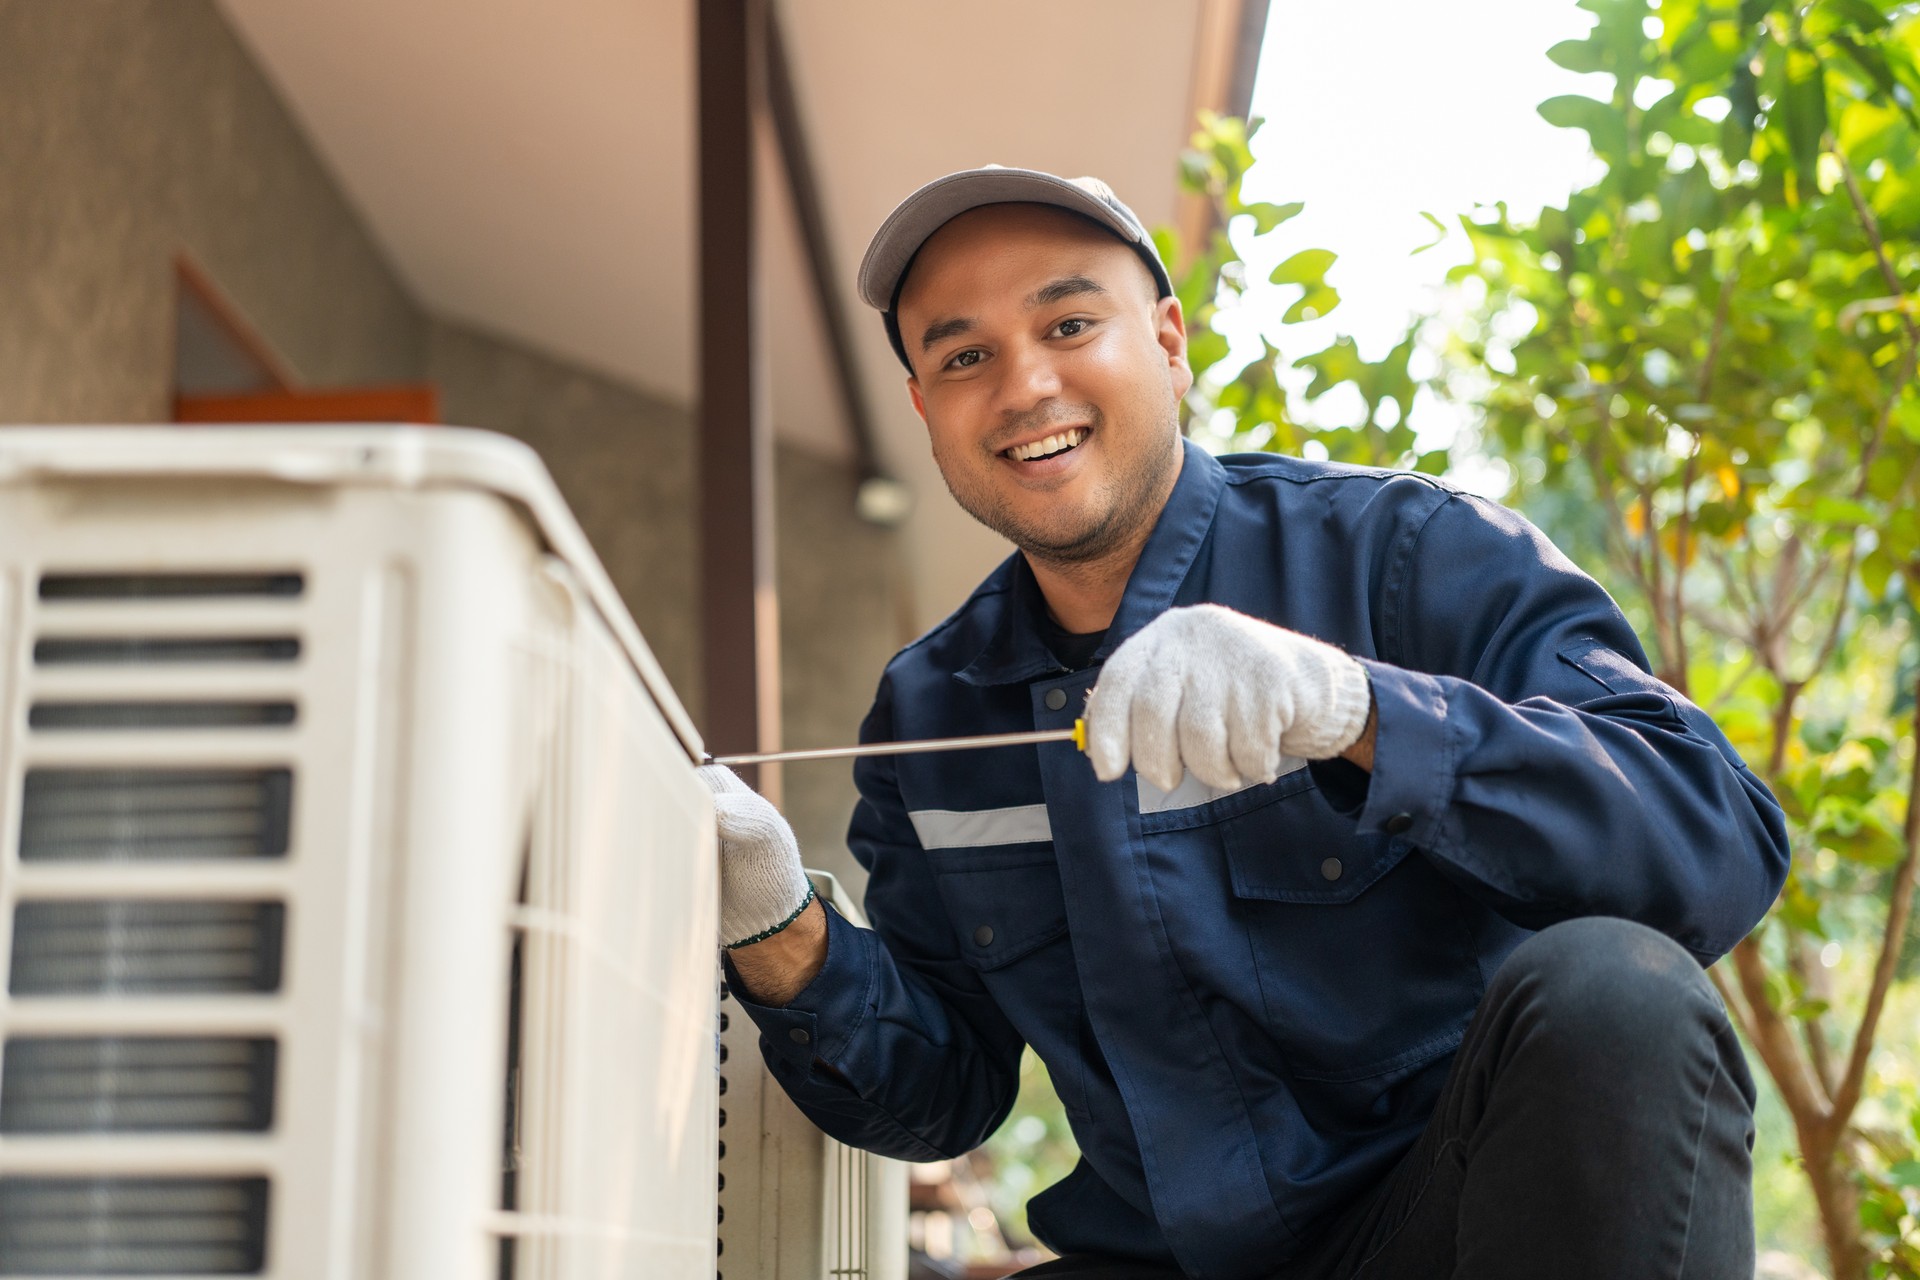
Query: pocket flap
{"points": [[1002, 913], [1298, 849]]}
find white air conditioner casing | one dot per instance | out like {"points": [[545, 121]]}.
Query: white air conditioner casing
{"points": [[795, 1204], [357, 894]]}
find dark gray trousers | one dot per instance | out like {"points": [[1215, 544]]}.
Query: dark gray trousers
{"points": [[1597, 1123]]}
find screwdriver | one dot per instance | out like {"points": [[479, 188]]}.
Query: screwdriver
{"points": [[1076, 735]]}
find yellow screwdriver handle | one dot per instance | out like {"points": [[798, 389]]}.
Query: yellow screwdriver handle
{"points": [[1080, 736]]}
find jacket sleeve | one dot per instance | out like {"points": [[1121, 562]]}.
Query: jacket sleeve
{"points": [[1525, 748], [895, 1046]]}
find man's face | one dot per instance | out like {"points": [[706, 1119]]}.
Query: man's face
{"points": [[1049, 375]]}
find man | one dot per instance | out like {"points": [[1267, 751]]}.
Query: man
{"points": [[1368, 942]]}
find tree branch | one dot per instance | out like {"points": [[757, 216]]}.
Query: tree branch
{"points": [[1811, 982], [1736, 1008], [1681, 529], [1774, 1043], [1871, 225], [1899, 907]]}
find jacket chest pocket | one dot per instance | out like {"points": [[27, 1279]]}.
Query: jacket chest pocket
{"points": [[1009, 915], [1366, 962]]}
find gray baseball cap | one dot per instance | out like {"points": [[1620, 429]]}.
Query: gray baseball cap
{"points": [[891, 251]]}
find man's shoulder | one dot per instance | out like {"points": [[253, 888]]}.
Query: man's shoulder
{"points": [[955, 640], [1257, 469], [1355, 496]]}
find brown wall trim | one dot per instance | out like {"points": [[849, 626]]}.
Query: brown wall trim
{"points": [[417, 403], [228, 316]]}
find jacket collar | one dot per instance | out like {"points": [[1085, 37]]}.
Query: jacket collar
{"points": [[1018, 649]]}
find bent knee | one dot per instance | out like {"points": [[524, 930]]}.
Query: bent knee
{"points": [[1604, 977]]}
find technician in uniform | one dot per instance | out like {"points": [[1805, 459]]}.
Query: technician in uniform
{"points": [[1369, 941]]}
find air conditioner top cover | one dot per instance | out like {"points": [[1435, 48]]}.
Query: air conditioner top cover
{"points": [[399, 457]]}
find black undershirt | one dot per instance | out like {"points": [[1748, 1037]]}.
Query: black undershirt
{"points": [[1074, 651]]}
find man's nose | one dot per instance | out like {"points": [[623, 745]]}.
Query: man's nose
{"points": [[1028, 377]]}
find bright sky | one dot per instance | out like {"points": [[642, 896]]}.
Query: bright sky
{"points": [[1380, 109]]}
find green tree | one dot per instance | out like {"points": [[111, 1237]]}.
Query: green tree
{"points": [[1715, 391], [1259, 396], [1712, 402]]}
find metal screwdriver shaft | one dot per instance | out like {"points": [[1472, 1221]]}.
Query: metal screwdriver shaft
{"points": [[1077, 735]]}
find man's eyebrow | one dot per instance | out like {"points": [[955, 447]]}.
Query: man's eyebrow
{"points": [[1064, 287], [1047, 294], [941, 330]]}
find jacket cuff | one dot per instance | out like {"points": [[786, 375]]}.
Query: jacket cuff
{"points": [[1413, 760], [821, 1020]]}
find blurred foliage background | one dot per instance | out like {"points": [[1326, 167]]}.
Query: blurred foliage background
{"points": [[1697, 375]]}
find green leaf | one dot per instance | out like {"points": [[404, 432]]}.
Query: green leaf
{"points": [[1439, 234], [1205, 348], [1268, 216], [1316, 302], [1307, 267], [1907, 1172], [1807, 1010], [1605, 127], [1803, 102], [1842, 511], [1876, 572], [1856, 13], [1581, 55]]}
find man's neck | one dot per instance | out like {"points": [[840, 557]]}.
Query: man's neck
{"points": [[1083, 595]]}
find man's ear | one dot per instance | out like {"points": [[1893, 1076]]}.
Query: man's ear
{"points": [[919, 401], [1170, 331]]}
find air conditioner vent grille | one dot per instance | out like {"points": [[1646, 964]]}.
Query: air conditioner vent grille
{"points": [[169, 586], [113, 947], [63, 651], [132, 715], [137, 1084], [136, 815], [132, 1226]]}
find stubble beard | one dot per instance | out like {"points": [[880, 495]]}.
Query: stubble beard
{"points": [[1133, 497]]}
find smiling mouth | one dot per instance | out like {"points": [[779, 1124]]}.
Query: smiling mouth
{"points": [[1052, 446]]}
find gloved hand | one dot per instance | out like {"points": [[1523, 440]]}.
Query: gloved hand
{"points": [[762, 888], [1224, 696]]}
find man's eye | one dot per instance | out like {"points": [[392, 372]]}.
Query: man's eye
{"points": [[1070, 328], [966, 359]]}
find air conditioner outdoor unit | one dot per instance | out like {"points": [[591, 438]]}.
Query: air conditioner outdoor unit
{"points": [[357, 895]]}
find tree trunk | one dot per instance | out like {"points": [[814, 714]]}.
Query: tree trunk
{"points": [[1838, 1201]]}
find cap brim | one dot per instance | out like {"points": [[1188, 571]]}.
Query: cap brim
{"points": [[934, 205]]}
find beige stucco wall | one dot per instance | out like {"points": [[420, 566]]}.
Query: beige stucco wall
{"points": [[132, 130]]}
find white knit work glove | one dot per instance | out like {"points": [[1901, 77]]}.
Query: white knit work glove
{"points": [[1223, 696], [762, 888]]}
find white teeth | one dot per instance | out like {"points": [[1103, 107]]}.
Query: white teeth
{"points": [[1052, 444]]}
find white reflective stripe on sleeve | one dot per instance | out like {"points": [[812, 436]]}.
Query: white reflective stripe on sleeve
{"points": [[1192, 793], [968, 829]]}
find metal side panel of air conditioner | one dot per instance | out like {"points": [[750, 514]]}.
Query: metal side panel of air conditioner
{"points": [[612, 1140], [796, 1204]]}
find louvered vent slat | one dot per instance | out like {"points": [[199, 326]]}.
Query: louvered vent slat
{"points": [[132, 1226], [133, 947], [169, 586], [103, 815], [158, 715], [136, 650], [137, 1084]]}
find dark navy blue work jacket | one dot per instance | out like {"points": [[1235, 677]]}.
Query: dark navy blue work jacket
{"points": [[1248, 1000]]}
